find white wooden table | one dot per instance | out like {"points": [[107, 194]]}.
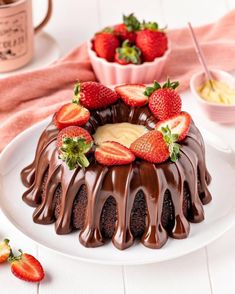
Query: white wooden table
{"points": [[209, 270]]}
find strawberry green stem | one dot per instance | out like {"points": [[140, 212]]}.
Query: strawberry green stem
{"points": [[108, 30], [129, 53], [131, 22], [76, 93], [152, 26], [73, 152], [12, 257], [171, 139], [168, 84]]}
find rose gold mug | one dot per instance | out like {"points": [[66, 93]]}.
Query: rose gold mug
{"points": [[17, 33]]}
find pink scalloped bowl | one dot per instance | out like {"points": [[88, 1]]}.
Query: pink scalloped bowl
{"points": [[224, 114], [109, 73]]}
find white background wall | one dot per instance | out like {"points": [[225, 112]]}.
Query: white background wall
{"points": [[74, 21]]}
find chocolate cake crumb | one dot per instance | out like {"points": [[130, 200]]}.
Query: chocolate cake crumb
{"points": [[201, 192], [138, 215], [168, 212], [56, 205], [108, 218], [187, 204], [79, 208]]}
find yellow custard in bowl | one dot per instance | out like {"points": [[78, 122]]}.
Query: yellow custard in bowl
{"points": [[221, 93]]}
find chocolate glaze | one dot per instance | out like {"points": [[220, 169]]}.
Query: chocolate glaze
{"points": [[123, 183]]}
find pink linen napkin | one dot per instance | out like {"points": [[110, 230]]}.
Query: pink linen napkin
{"points": [[30, 97]]}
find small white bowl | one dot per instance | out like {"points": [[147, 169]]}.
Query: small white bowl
{"points": [[220, 113], [110, 73]]}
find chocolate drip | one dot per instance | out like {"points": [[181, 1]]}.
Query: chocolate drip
{"points": [[158, 187]]}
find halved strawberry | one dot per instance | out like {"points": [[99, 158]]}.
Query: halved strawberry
{"points": [[71, 114], [179, 124], [72, 144], [5, 250], [26, 267], [132, 94], [113, 153]]}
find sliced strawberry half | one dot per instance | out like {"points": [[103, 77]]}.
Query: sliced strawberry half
{"points": [[132, 95], [178, 124], [71, 114], [113, 153], [27, 268], [5, 250]]}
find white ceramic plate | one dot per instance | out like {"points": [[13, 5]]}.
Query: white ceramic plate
{"points": [[220, 213], [46, 51]]}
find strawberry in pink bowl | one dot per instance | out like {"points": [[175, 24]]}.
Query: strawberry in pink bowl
{"points": [[129, 52]]}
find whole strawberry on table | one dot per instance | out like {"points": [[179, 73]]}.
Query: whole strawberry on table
{"points": [[131, 42]]}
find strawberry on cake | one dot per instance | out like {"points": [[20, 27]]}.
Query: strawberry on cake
{"points": [[124, 165]]}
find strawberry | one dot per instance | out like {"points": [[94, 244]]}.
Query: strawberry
{"points": [[164, 101], [113, 153], [121, 31], [127, 29], [132, 94], [151, 41], [105, 44], [127, 54], [5, 250], [93, 95], [156, 147], [71, 114], [72, 144], [179, 124], [26, 267]]}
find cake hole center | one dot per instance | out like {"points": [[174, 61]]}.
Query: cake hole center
{"points": [[123, 133]]}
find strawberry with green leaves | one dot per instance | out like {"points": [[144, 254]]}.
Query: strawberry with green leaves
{"points": [[128, 54], [73, 143], [164, 101], [105, 44], [127, 30], [157, 147], [151, 41], [5, 250], [93, 95], [113, 153], [26, 267]]}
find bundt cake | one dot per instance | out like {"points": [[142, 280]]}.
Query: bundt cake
{"points": [[140, 200]]}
